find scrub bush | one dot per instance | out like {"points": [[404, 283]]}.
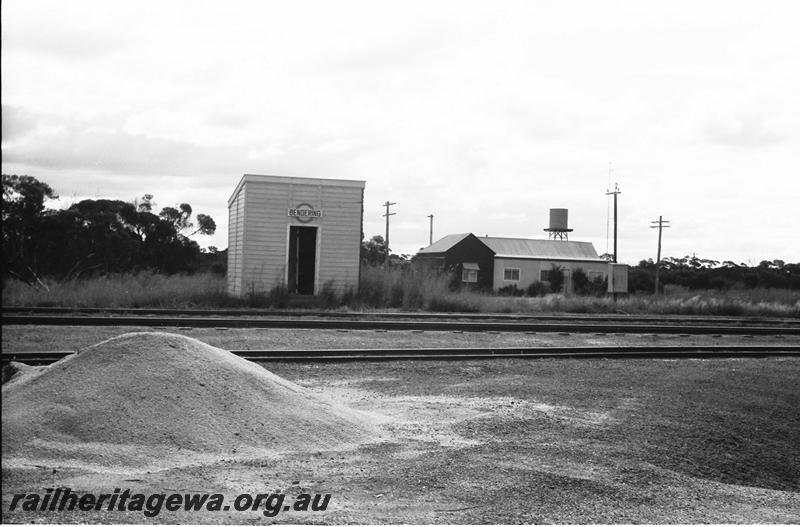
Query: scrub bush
{"points": [[327, 298], [510, 290], [537, 289], [556, 278]]}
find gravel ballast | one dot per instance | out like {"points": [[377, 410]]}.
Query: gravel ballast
{"points": [[152, 399]]}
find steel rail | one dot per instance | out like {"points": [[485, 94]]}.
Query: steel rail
{"points": [[397, 325], [572, 317], [574, 352]]}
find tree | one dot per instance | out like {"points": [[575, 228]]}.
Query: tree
{"points": [[24, 196], [23, 206], [180, 218], [205, 225], [556, 278], [373, 252], [105, 237], [580, 282], [94, 236]]}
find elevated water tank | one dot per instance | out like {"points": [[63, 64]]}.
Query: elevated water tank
{"points": [[558, 219], [558, 225]]}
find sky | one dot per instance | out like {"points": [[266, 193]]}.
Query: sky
{"points": [[485, 114]]}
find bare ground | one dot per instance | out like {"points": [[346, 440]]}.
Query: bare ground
{"points": [[49, 338], [501, 441]]}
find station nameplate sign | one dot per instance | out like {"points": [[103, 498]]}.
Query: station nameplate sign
{"points": [[304, 212]]}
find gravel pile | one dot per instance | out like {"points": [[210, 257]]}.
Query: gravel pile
{"points": [[141, 397]]}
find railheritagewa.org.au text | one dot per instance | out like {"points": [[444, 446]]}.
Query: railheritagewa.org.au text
{"points": [[64, 499]]}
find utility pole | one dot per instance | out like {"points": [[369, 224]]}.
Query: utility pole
{"points": [[615, 193], [387, 205], [430, 242], [661, 224]]}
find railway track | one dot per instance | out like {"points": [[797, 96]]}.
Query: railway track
{"points": [[339, 315], [580, 352], [306, 322]]}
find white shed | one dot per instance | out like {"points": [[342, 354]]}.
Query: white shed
{"points": [[522, 261], [301, 233]]}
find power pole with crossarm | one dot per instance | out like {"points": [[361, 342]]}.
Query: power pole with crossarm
{"points": [[660, 224], [387, 205]]}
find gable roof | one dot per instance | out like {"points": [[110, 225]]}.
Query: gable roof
{"points": [[444, 244], [319, 182], [521, 248], [549, 249]]}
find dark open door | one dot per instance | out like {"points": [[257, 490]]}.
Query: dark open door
{"points": [[302, 259]]}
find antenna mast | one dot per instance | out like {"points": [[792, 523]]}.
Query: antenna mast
{"points": [[608, 206], [615, 193]]}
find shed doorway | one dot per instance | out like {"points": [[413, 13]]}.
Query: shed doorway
{"points": [[302, 259]]}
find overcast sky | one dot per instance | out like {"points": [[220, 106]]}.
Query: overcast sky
{"points": [[484, 114]]}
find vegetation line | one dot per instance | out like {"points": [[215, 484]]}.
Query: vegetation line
{"points": [[108, 253]]}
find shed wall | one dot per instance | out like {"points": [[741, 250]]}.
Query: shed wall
{"points": [[618, 278], [236, 242], [472, 250], [266, 232], [468, 250], [530, 270]]}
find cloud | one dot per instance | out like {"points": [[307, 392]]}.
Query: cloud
{"points": [[75, 45], [83, 33], [741, 130], [115, 152], [485, 116], [17, 123], [229, 120]]}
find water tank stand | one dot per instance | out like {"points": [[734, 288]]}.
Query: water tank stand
{"points": [[558, 234]]}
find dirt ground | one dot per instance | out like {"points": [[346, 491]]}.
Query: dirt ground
{"points": [[49, 338], [498, 441]]}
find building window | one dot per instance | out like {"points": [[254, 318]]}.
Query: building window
{"points": [[544, 275], [511, 274], [469, 272], [596, 275]]}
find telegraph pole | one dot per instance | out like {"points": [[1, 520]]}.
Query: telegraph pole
{"points": [[615, 193], [430, 242], [387, 205], [660, 224]]}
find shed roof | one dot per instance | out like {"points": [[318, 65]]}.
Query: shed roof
{"points": [[296, 181], [444, 244], [549, 249]]}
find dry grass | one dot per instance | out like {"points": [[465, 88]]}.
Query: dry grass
{"points": [[129, 290], [762, 302], [405, 289], [411, 290]]}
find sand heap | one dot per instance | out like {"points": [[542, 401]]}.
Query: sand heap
{"points": [[141, 396]]}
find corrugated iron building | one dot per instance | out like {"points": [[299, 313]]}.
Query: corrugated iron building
{"points": [[501, 262], [464, 254], [301, 233], [520, 261]]}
